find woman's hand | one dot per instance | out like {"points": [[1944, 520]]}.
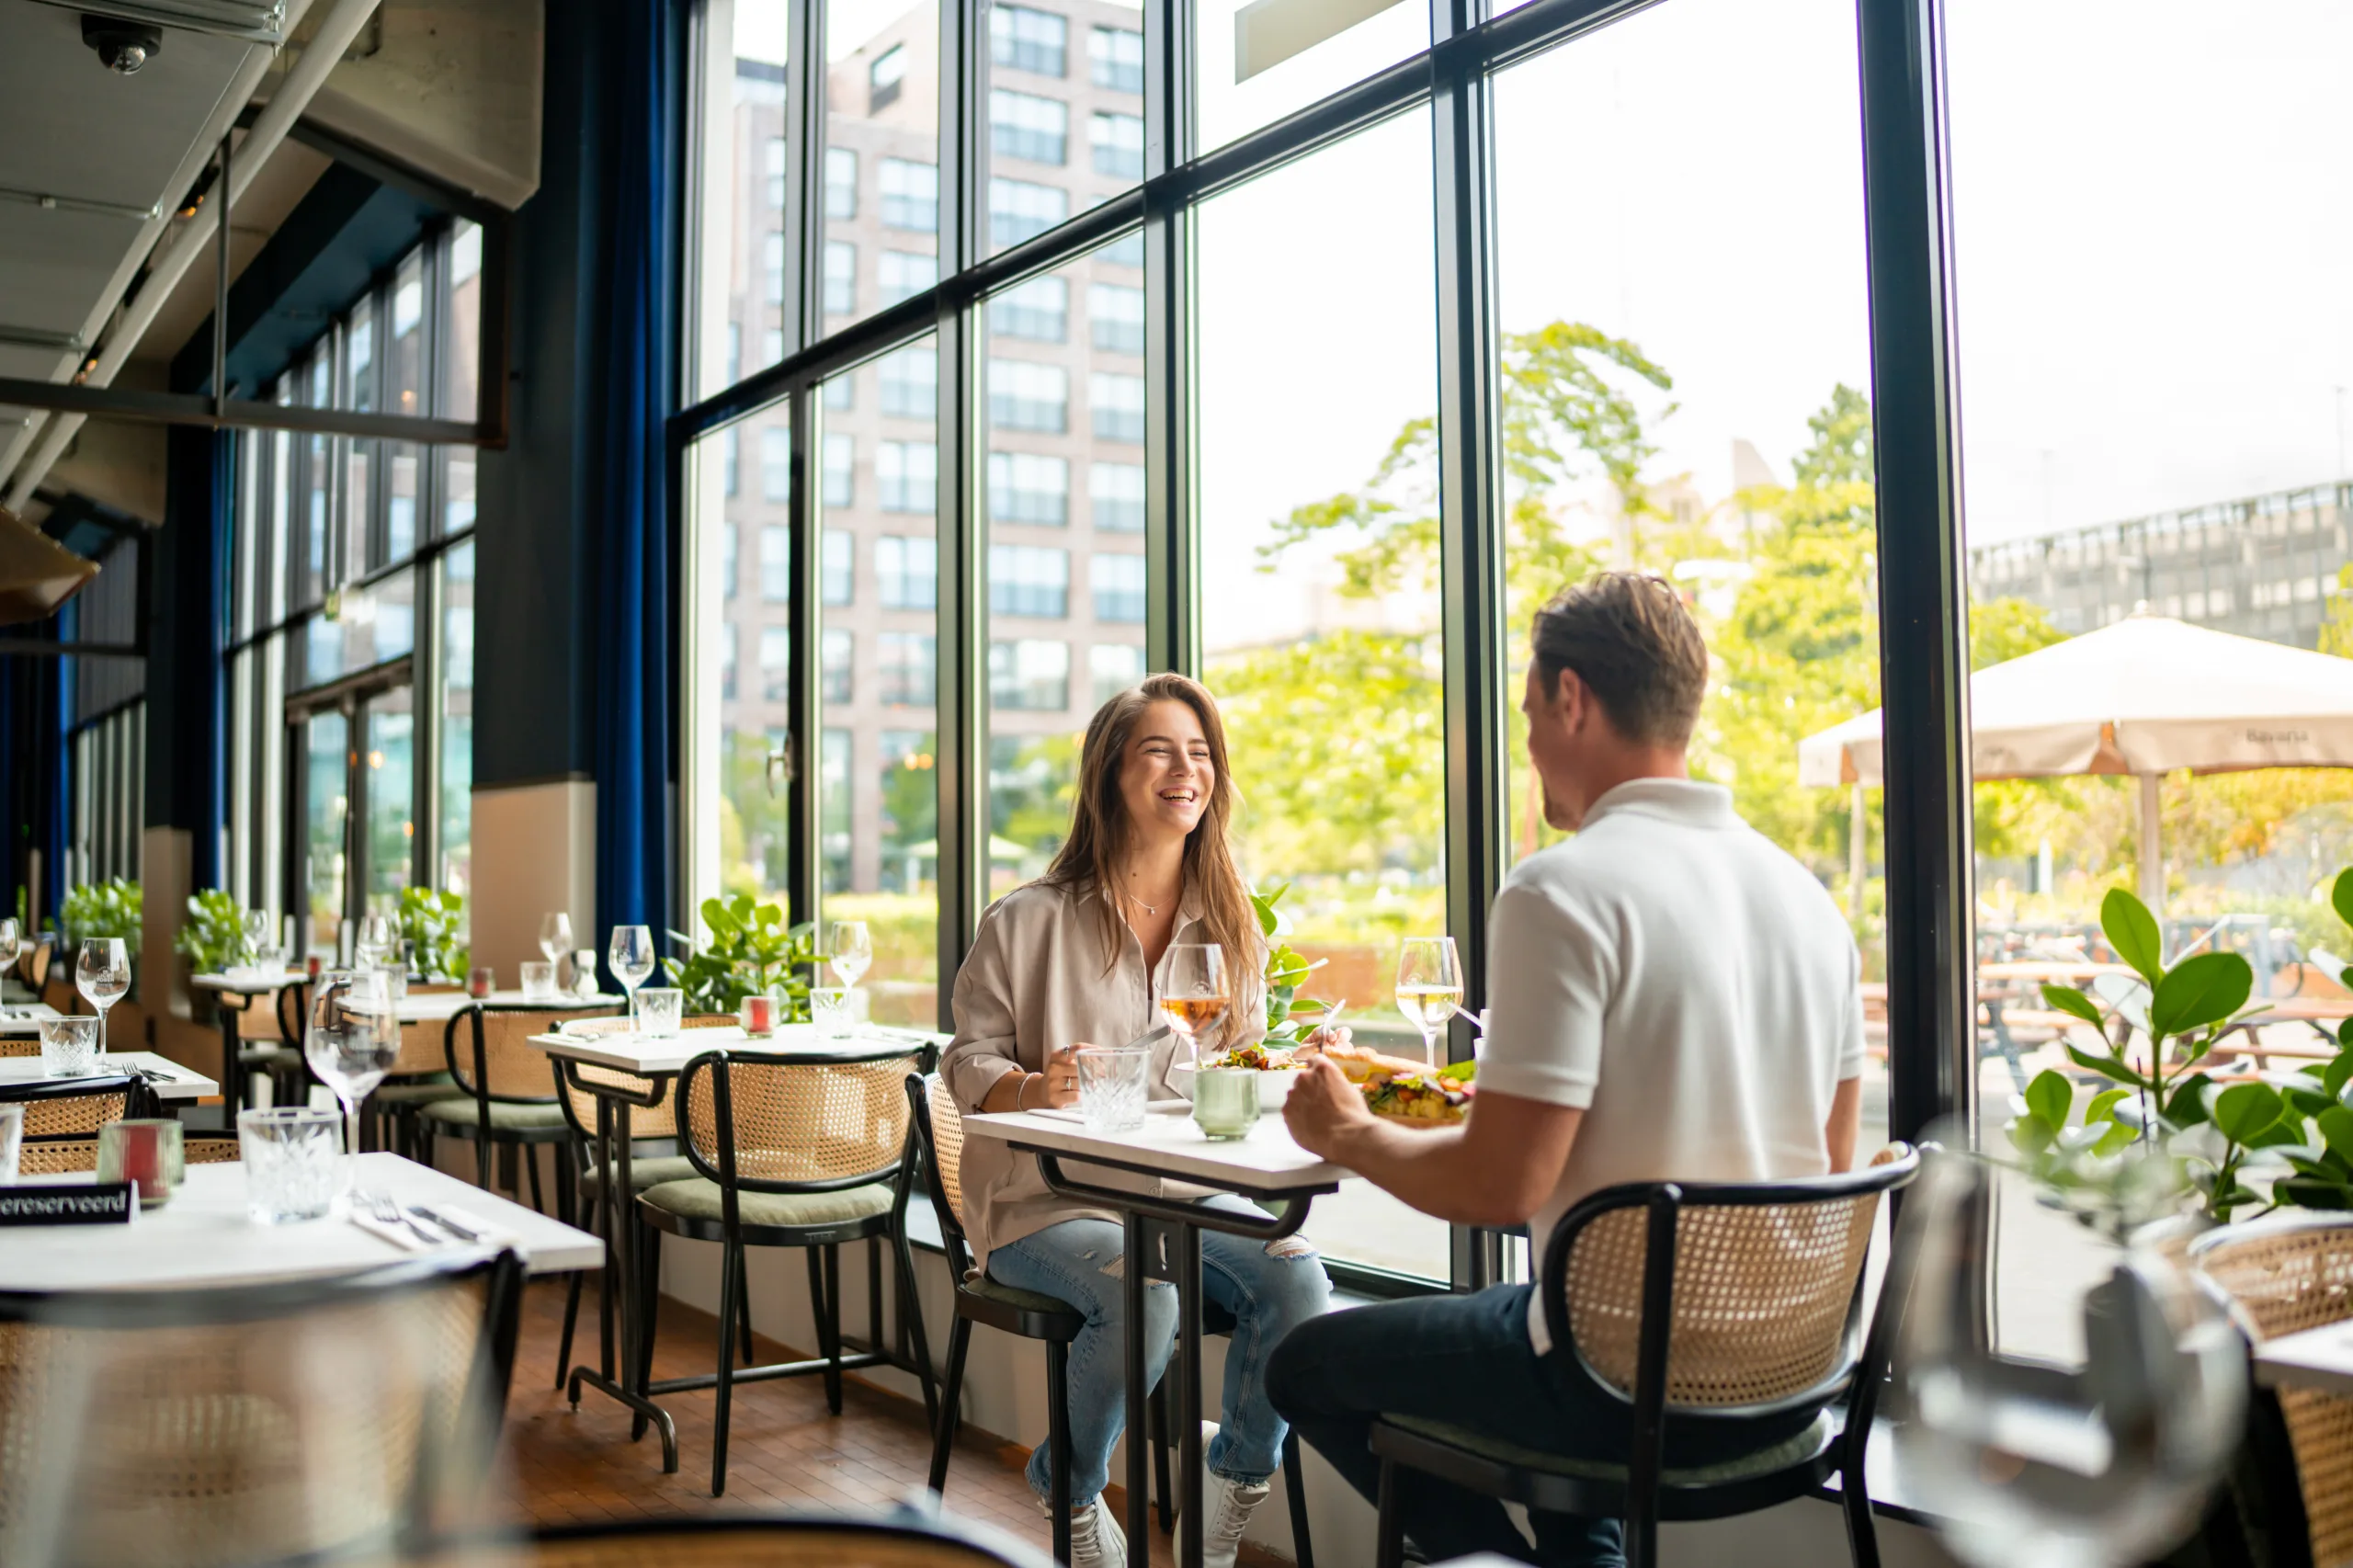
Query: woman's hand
{"points": [[1061, 1085]]}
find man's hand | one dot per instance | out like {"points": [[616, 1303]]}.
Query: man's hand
{"points": [[1324, 1107]]}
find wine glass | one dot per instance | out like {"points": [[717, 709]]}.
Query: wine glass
{"points": [[851, 951], [102, 974], [353, 1042], [631, 958], [374, 940], [1194, 991], [555, 937], [10, 943], [1430, 988], [255, 928]]}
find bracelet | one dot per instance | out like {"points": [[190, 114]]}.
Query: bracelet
{"points": [[1021, 1089]]}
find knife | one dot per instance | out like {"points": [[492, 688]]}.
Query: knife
{"points": [[461, 1232]]}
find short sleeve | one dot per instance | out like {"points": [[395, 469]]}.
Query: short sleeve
{"points": [[1851, 1033], [1550, 976]]}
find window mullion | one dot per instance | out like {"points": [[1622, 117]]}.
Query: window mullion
{"points": [[1172, 634]]}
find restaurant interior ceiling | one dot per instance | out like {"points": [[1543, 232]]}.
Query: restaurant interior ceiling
{"points": [[97, 168]]}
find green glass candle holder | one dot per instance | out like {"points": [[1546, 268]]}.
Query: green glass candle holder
{"points": [[1225, 1101]]}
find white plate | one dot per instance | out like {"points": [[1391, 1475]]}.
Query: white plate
{"points": [[1274, 1087]]}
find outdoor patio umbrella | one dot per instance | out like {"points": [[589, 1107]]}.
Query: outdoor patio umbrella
{"points": [[2146, 696]]}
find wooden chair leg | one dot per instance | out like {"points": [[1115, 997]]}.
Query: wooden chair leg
{"points": [[1058, 1435], [1390, 1551], [943, 1432], [1295, 1491], [731, 1302]]}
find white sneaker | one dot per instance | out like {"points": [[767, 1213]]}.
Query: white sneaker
{"points": [[1225, 1512], [1095, 1539]]}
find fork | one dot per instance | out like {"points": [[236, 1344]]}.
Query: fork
{"points": [[389, 1212]]}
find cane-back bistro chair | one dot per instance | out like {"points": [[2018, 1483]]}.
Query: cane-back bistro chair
{"points": [[1695, 1302], [393, 1115], [2283, 1274], [64, 1156], [653, 1137], [310, 1420], [799, 1150], [76, 1107], [508, 1099]]}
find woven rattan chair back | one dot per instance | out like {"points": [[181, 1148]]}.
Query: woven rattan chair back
{"points": [[946, 1130], [63, 1156], [512, 1068], [656, 1121], [19, 1045], [1763, 1298], [2285, 1276], [421, 1048], [798, 1123], [34, 969], [72, 1108], [210, 1427]]}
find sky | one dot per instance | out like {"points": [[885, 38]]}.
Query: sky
{"points": [[2151, 233]]}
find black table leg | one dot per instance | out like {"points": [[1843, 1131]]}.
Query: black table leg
{"points": [[613, 1171], [1137, 1271], [232, 1074], [1189, 1488]]}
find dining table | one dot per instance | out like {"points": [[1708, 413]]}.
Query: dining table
{"points": [[27, 1018], [651, 1064], [1267, 1166], [170, 1081], [2319, 1359], [246, 986], [204, 1237]]}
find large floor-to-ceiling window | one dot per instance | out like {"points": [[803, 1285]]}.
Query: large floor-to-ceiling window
{"points": [[351, 657], [1031, 351]]}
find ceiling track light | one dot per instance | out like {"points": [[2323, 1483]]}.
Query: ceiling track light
{"points": [[245, 19], [51, 201], [37, 337]]}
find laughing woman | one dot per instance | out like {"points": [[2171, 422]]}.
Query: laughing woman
{"points": [[1067, 961]]}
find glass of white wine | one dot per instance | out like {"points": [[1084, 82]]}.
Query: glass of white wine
{"points": [[1195, 992], [1430, 988]]}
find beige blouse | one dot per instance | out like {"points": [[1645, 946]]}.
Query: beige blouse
{"points": [[1033, 983]]}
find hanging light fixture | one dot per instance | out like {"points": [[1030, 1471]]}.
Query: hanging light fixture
{"points": [[37, 574]]}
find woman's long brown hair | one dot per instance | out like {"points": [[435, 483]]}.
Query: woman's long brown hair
{"points": [[1098, 833]]}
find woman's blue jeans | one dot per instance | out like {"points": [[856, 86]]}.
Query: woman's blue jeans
{"points": [[1082, 1262]]}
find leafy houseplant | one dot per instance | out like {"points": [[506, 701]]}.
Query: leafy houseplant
{"points": [[214, 937], [2163, 1136], [433, 921], [1290, 1015], [110, 908], [751, 950]]}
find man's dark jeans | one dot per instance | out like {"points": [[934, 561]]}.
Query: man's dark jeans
{"points": [[1467, 1361]]}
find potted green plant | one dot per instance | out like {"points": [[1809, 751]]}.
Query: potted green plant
{"points": [[111, 908], [751, 949], [2160, 1136], [1290, 1015], [433, 923], [212, 938]]}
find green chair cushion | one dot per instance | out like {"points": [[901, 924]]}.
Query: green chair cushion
{"points": [[980, 1284], [529, 1115], [696, 1199], [1764, 1461], [644, 1171], [418, 1091]]}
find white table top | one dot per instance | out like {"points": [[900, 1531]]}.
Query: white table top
{"points": [[2317, 1358], [186, 1083], [1267, 1161], [27, 1018], [247, 984], [439, 1006], [634, 1053], [203, 1237]]}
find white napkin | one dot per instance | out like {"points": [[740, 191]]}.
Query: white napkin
{"points": [[400, 1235]]}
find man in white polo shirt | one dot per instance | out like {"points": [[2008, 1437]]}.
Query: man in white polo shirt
{"points": [[1669, 997]]}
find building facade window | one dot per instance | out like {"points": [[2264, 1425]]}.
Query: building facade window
{"points": [[1022, 209], [1116, 405], [776, 663], [1029, 675], [1118, 141], [1115, 318], [1115, 495], [906, 475], [1025, 126], [1115, 59], [1037, 310], [905, 274], [907, 571], [1029, 580], [835, 661], [776, 565], [728, 535], [910, 383], [772, 268], [839, 567], [1029, 487], [910, 194], [1027, 395], [884, 79], [774, 160], [841, 469], [1119, 585], [1022, 38], [1113, 667], [841, 183], [841, 277], [775, 465], [908, 669]]}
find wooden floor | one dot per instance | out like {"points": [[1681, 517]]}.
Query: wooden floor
{"points": [[786, 1451]]}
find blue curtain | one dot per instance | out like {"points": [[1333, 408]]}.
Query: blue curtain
{"points": [[209, 809], [60, 827], [635, 671]]}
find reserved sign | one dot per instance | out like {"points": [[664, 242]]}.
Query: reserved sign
{"points": [[92, 1203]]}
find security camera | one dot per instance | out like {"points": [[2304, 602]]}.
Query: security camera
{"points": [[122, 47]]}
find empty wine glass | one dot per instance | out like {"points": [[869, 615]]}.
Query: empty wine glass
{"points": [[631, 958], [374, 941], [1430, 988], [102, 974], [851, 951], [555, 937], [255, 928], [10, 943], [1195, 992], [353, 1042]]}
